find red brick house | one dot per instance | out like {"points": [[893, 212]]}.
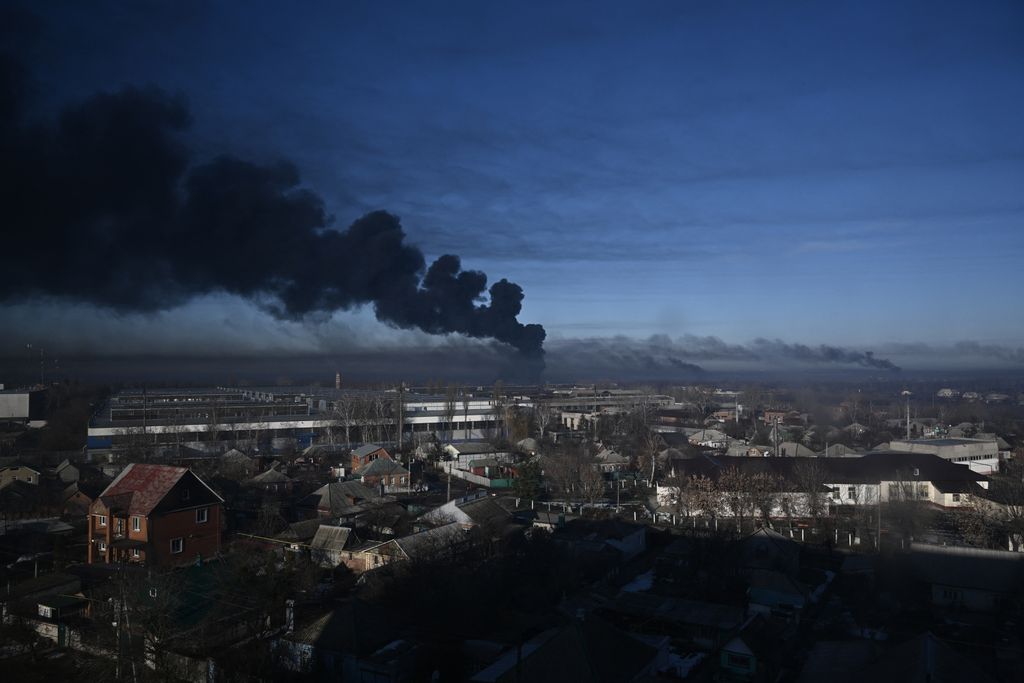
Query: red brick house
{"points": [[155, 515], [364, 455]]}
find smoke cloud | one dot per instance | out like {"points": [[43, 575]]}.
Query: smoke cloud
{"points": [[660, 355], [104, 205], [767, 348], [1002, 353]]}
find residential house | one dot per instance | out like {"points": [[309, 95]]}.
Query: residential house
{"points": [[234, 464], [367, 453], [707, 624], [710, 438], [970, 579], [438, 543], [471, 511], [586, 535], [465, 453], [19, 472], [609, 460], [156, 515], [271, 481], [755, 653], [384, 474], [299, 534], [66, 472], [330, 545], [354, 641], [337, 497], [78, 497]]}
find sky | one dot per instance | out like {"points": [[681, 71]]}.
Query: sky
{"points": [[845, 174]]}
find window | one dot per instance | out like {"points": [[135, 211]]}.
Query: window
{"points": [[103, 546], [835, 493], [103, 520], [956, 497], [120, 526], [136, 524], [177, 545], [136, 553], [851, 492], [185, 493], [202, 514], [29, 479]]}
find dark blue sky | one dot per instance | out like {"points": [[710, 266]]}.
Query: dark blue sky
{"points": [[820, 172]]}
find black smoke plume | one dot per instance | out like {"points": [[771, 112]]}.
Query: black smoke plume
{"points": [[104, 205], [820, 354]]}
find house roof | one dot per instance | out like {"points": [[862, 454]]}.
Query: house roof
{"points": [[427, 543], [300, 531], [871, 468], [995, 571], [140, 487], [367, 449], [381, 467], [235, 455], [331, 538], [271, 476], [337, 494], [607, 455], [353, 626], [485, 511]]}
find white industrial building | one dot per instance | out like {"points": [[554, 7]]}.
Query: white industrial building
{"points": [[279, 419], [954, 450]]}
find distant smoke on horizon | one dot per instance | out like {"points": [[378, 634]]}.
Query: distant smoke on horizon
{"points": [[682, 356], [105, 206]]}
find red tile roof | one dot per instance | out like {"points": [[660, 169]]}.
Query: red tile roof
{"points": [[140, 488]]}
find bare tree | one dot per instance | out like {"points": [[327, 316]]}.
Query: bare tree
{"points": [[647, 461], [764, 494], [343, 412], [810, 480], [703, 496], [735, 487], [543, 415], [591, 482]]}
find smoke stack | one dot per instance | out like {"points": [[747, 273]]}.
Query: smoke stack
{"points": [[337, 380]]}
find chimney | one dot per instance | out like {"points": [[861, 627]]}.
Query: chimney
{"points": [[289, 616], [337, 380]]}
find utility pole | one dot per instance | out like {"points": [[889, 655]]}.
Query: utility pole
{"points": [[907, 394]]}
